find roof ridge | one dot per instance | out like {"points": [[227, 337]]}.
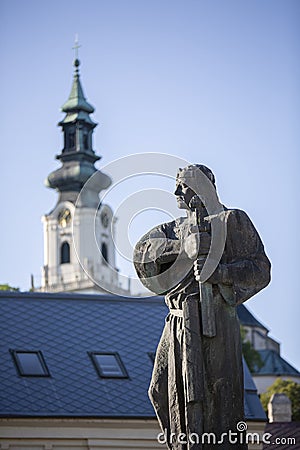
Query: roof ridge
{"points": [[77, 297]]}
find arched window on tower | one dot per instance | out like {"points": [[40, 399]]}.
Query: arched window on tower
{"points": [[104, 252], [65, 253], [71, 139], [86, 141]]}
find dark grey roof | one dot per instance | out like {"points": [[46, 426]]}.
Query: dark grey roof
{"points": [[252, 405], [284, 435], [274, 364], [65, 327], [248, 319]]}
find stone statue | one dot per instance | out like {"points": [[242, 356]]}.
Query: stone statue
{"points": [[197, 380]]}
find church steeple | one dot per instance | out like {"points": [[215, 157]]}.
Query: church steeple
{"points": [[79, 251], [77, 155], [77, 100]]}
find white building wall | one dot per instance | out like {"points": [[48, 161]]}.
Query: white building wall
{"points": [[89, 434], [87, 271], [259, 340], [262, 382]]}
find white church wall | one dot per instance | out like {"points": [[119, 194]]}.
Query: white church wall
{"points": [[91, 434]]}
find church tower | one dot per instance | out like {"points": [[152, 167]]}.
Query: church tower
{"points": [[79, 253]]}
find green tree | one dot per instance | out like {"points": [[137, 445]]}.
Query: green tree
{"points": [[252, 357], [7, 287], [288, 387]]}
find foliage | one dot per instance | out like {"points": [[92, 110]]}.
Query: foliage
{"points": [[7, 287], [252, 357], [288, 387]]}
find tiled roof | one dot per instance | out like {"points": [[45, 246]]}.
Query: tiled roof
{"points": [[274, 364], [284, 436], [65, 327], [252, 405], [248, 319]]}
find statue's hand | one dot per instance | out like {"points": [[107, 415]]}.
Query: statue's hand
{"points": [[220, 275], [191, 245], [197, 244]]}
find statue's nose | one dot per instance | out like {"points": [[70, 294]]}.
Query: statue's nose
{"points": [[178, 190]]}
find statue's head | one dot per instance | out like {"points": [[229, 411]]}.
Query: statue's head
{"points": [[185, 178]]}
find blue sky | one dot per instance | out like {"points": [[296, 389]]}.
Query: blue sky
{"points": [[213, 82]]}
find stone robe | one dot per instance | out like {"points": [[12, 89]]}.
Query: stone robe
{"points": [[213, 401]]}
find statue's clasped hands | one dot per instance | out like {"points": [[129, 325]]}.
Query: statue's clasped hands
{"points": [[197, 246]]}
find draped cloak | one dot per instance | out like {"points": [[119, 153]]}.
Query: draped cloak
{"points": [[216, 403]]}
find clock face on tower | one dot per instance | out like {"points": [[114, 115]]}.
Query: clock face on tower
{"points": [[64, 217]]}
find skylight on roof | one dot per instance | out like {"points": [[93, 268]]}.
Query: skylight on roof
{"points": [[30, 363], [109, 365]]}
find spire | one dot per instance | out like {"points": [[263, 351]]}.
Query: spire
{"points": [[77, 101], [77, 155]]}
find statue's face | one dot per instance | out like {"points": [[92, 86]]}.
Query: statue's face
{"points": [[183, 194]]}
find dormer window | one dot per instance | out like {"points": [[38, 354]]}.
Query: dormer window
{"points": [[30, 363], [108, 365]]}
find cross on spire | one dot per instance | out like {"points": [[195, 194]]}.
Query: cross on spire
{"points": [[76, 46]]}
